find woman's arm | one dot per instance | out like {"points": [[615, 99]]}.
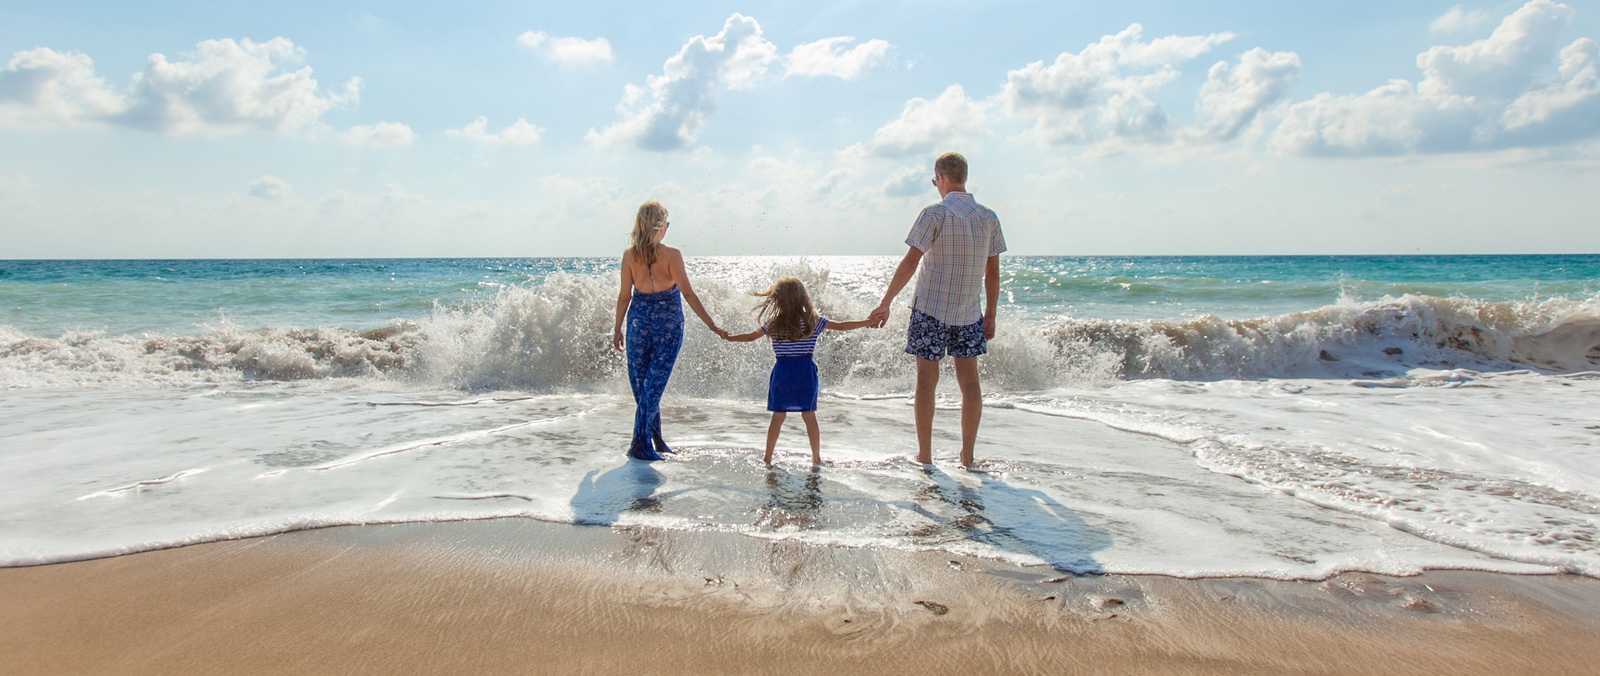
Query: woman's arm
{"points": [[848, 326], [678, 273], [623, 297], [743, 337]]}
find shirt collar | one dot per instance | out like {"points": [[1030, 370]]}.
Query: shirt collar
{"points": [[958, 195]]}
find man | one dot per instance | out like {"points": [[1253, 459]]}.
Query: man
{"points": [[958, 243]]}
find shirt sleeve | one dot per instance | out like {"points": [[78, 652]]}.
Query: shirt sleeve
{"points": [[997, 243], [822, 323], [926, 229]]}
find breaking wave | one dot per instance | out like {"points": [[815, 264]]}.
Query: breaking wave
{"points": [[555, 336]]}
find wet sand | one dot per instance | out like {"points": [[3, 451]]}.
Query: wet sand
{"points": [[520, 596]]}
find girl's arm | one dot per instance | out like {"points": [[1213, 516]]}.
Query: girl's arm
{"points": [[848, 326], [743, 337], [623, 297], [687, 290]]}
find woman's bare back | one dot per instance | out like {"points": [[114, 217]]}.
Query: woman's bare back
{"points": [[652, 278]]}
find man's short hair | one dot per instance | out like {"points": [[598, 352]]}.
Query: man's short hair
{"points": [[952, 166]]}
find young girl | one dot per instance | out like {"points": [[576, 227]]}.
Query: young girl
{"points": [[786, 316]]}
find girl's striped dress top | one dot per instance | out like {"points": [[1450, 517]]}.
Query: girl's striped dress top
{"points": [[798, 348]]}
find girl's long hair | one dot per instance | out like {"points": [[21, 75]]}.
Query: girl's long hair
{"points": [[652, 217], [785, 310]]}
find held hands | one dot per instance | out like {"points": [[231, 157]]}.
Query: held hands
{"points": [[721, 332], [879, 316]]}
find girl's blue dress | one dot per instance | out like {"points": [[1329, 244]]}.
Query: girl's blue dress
{"points": [[794, 384]]}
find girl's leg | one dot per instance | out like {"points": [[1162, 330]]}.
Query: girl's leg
{"points": [[811, 431], [772, 433]]}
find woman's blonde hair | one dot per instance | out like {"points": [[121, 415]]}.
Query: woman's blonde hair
{"points": [[651, 219], [785, 310]]}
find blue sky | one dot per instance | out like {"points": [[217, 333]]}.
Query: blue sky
{"points": [[321, 129]]}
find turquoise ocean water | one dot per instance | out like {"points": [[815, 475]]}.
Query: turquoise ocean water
{"points": [[46, 297]]}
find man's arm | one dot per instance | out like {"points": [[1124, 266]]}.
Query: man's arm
{"points": [[902, 274], [991, 295]]}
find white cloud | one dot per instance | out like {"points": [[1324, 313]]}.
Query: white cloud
{"points": [[1053, 179], [566, 51], [829, 57], [685, 94], [228, 87], [1457, 20], [908, 182], [224, 87], [807, 180], [518, 134], [336, 200], [1104, 91], [1574, 95], [270, 188], [395, 197], [380, 135], [391, 197], [1390, 120], [1502, 65], [1481, 96], [565, 198], [1233, 97], [924, 126], [42, 88]]}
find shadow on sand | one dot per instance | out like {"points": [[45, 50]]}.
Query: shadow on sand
{"points": [[981, 507], [603, 498]]}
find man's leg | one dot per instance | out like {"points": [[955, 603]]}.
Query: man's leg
{"points": [[971, 405], [927, 382]]}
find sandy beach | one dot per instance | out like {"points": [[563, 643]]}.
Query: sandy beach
{"points": [[522, 596]]}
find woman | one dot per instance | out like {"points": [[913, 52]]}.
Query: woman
{"points": [[653, 281]]}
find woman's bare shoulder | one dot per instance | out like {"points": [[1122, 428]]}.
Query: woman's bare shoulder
{"points": [[627, 255], [671, 253]]}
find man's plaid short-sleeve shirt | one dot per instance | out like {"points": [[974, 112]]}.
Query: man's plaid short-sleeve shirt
{"points": [[956, 237]]}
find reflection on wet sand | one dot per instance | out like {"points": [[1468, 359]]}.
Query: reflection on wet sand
{"points": [[792, 502]]}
